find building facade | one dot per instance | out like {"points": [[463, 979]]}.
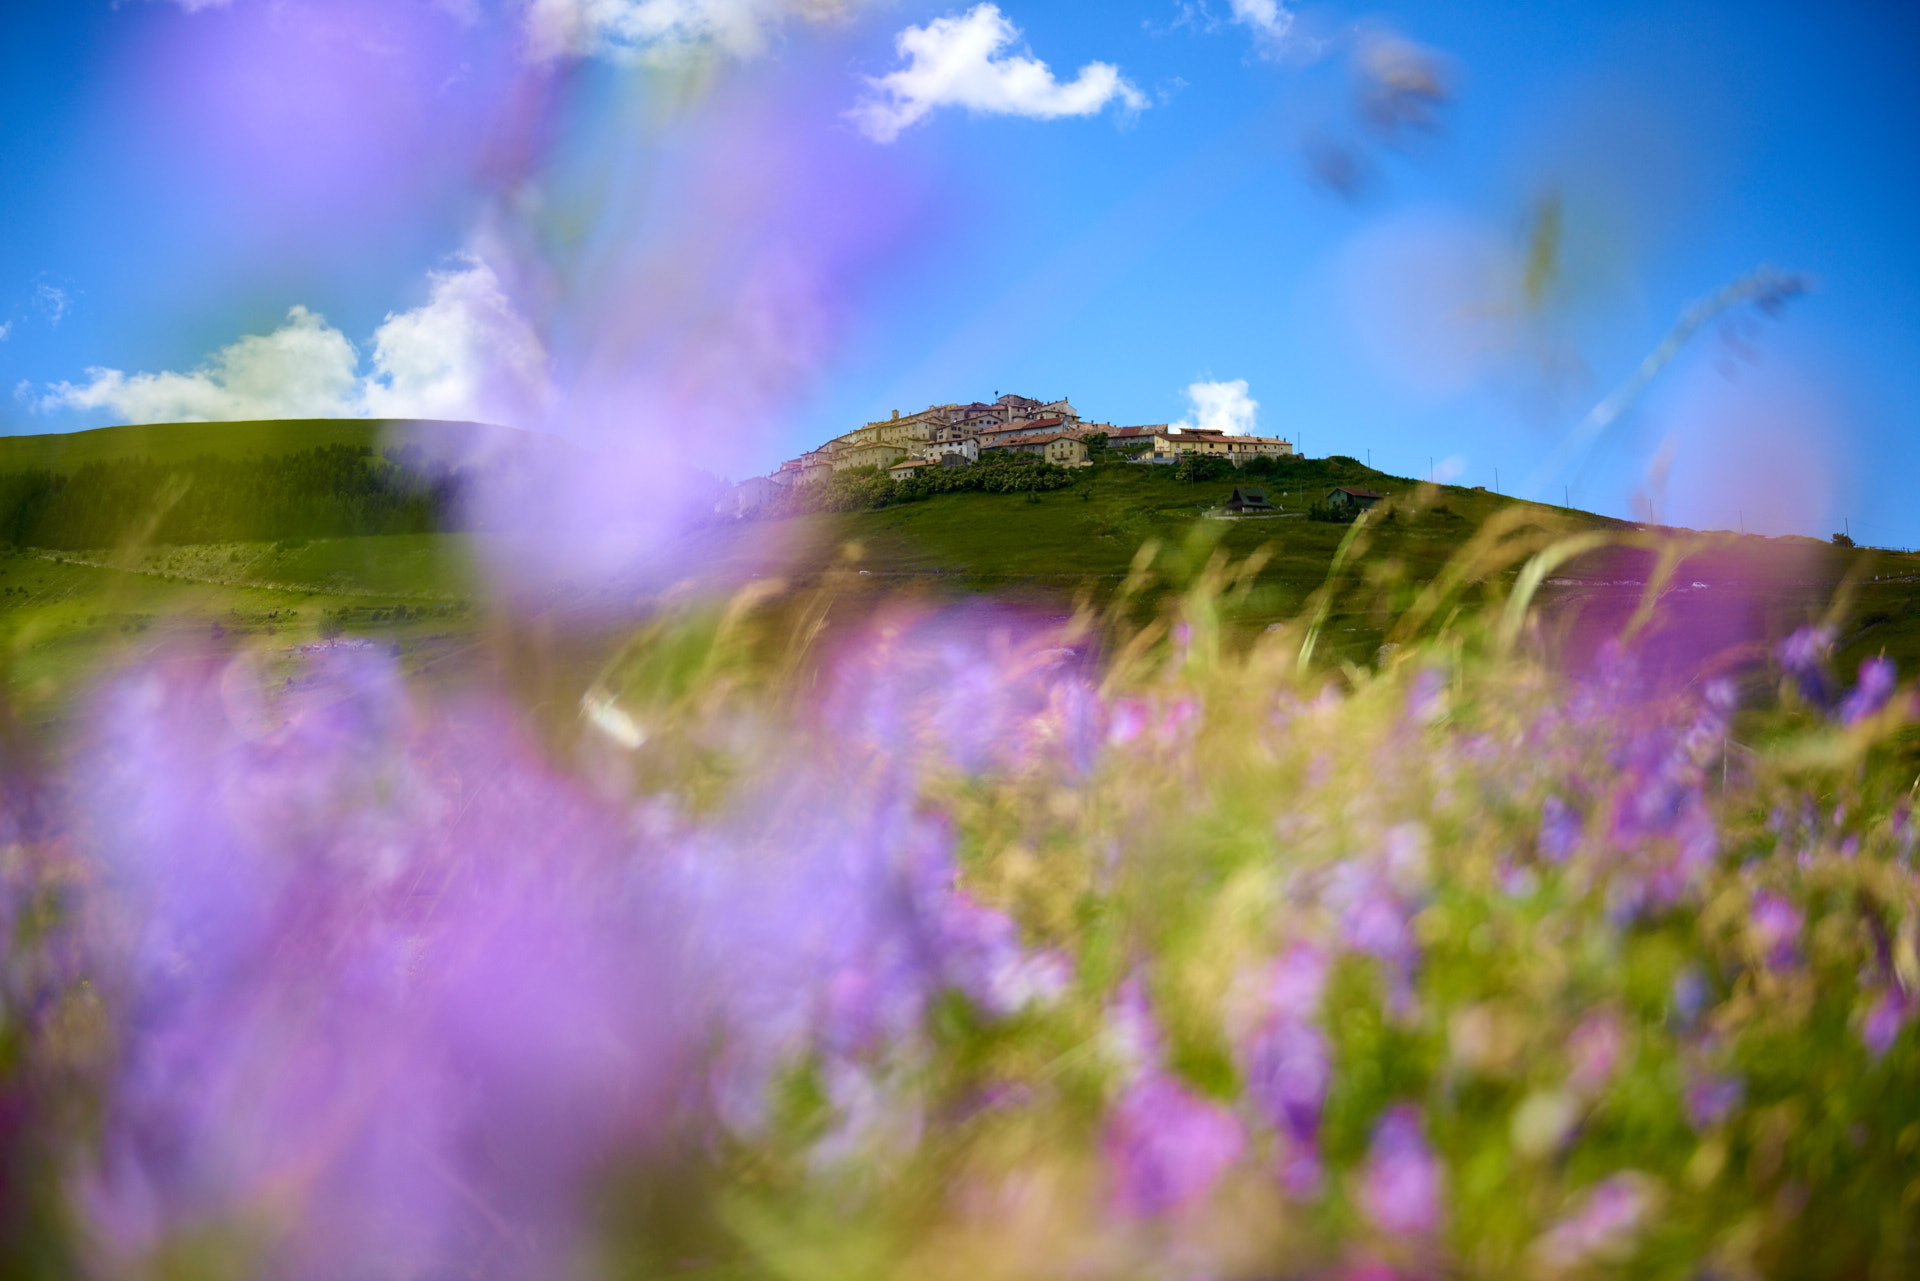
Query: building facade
{"points": [[871, 454], [1067, 450], [955, 434], [1215, 444]]}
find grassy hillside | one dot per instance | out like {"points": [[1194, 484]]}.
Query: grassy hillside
{"points": [[180, 442], [64, 611], [1056, 544]]}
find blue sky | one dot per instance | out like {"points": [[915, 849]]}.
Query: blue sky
{"points": [[682, 233]]}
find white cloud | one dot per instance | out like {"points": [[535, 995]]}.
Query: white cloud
{"points": [[54, 301], [1271, 21], [6, 331], [466, 353], [304, 369], [650, 29], [1220, 407], [964, 62]]}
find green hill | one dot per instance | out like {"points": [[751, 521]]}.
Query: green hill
{"points": [[215, 564], [180, 442]]}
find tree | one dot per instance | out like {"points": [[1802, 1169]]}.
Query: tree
{"points": [[1842, 540]]}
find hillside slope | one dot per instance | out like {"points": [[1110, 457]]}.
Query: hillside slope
{"points": [[180, 442], [62, 611]]}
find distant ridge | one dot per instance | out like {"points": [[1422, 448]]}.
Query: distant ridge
{"points": [[179, 442]]}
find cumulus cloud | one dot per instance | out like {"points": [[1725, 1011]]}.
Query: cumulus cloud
{"points": [[304, 369], [466, 353], [1220, 407], [650, 29], [966, 61]]}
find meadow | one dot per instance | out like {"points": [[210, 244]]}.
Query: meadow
{"points": [[995, 885]]}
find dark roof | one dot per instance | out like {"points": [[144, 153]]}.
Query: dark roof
{"points": [[1354, 493], [1213, 437], [1250, 493], [1030, 425]]}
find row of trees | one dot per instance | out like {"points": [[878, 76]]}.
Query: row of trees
{"points": [[861, 488], [331, 491]]}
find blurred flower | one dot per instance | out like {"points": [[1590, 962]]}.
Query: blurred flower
{"points": [[1401, 1182], [1803, 655], [1604, 1228], [1166, 1147], [1559, 829], [393, 989], [1774, 925], [1877, 679], [1594, 1049], [982, 957], [1427, 699], [1711, 1098], [1128, 721], [1884, 1021], [1690, 996], [1130, 1036], [1288, 1069], [1401, 84]]}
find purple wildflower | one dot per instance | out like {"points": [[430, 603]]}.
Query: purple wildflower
{"points": [[1594, 1048], [983, 958], [1711, 1099], [1804, 657], [1372, 917], [1427, 700], [1132, 1037], [1559, 829], [1870, 694], [1774, 925], [1605, 1226], [1884, 1021], [1288, 1071], [1128, 722], [393, 984], [1167, 1147], [1401, 1183], [1690, 996]]}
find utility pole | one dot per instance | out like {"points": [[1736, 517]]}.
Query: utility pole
{"points": [[1429, 469], [1496, 480], [1566, 494]]}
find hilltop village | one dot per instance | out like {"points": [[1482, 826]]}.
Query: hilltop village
{"points": [[1010, 428]]}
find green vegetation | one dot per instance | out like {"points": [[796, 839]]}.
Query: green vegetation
{"points": [[314, 530], [184, 442], [860, 488], [331, 491]]}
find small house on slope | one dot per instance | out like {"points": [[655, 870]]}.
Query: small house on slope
{"points": [[1343, 498], [1249, 498]]}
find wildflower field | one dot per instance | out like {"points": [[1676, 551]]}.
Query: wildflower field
{"points": [[964, 942]]}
